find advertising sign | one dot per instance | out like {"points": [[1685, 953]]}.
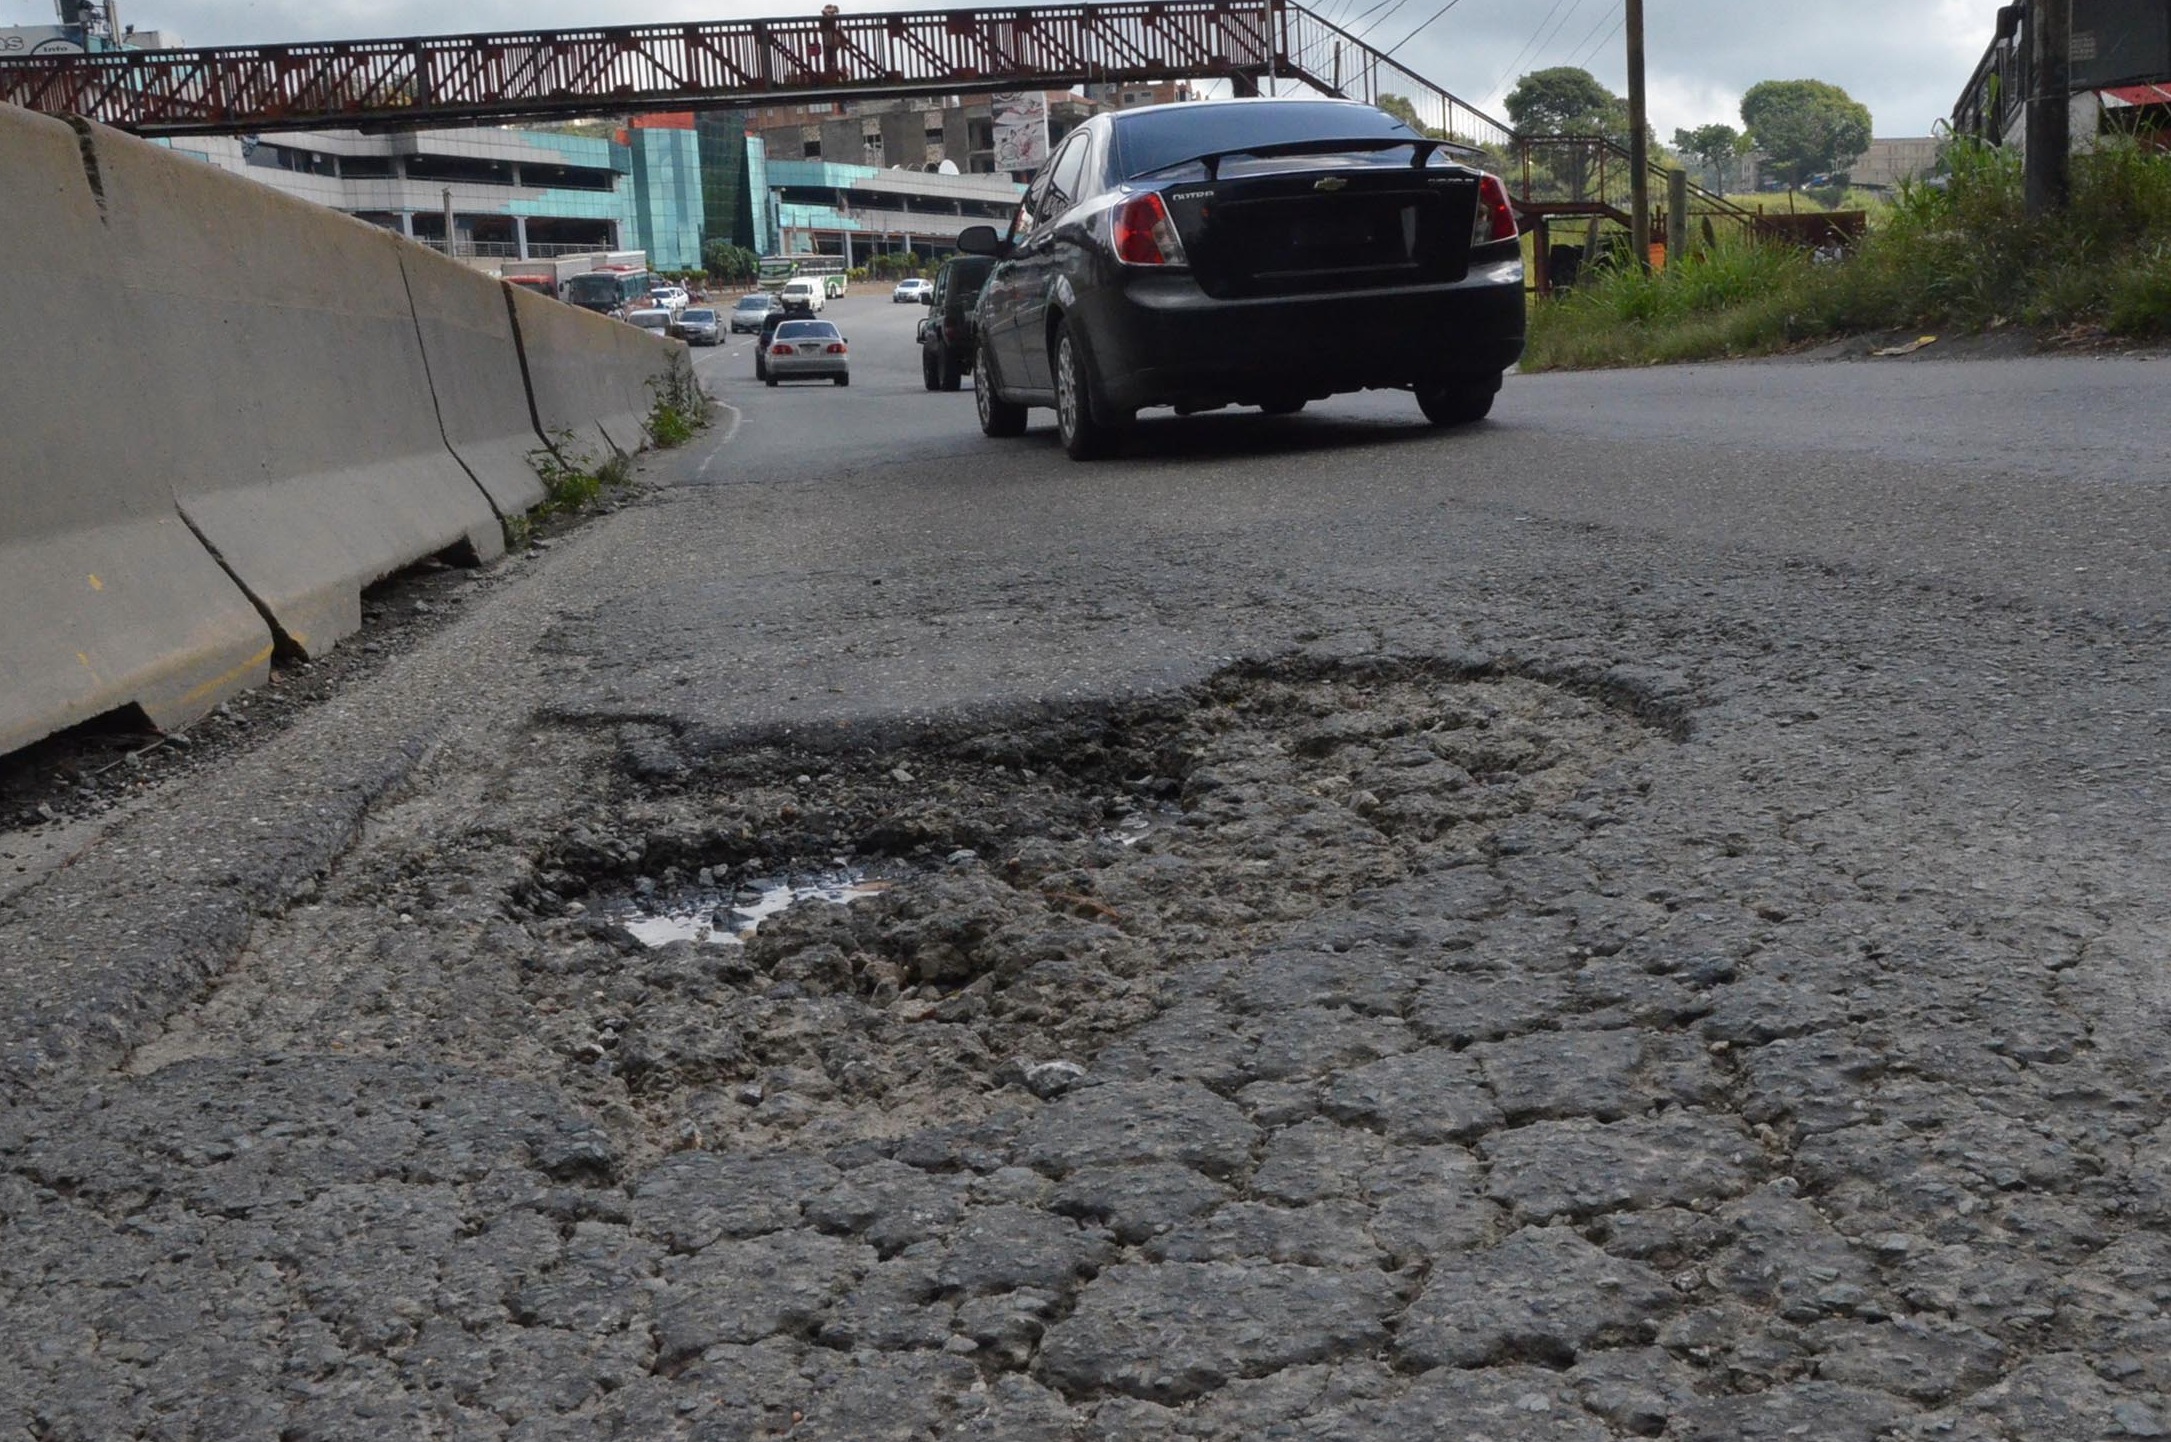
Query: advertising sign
{"points": [[1021, 129], [18, 41]]}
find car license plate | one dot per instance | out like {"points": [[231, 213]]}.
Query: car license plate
{"points": [[810, 350], [1323, 232]]}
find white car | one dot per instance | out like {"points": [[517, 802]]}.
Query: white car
{"points": [[911, 292], [807, 288], [655, 318], [672, 298]]}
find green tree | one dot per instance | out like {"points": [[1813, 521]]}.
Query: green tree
{"points": [[1400, 108], [728, 262], [1805, 127], [1717, 147], [1566, 100]]}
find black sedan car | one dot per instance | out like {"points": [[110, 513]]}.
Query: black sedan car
{"points": [[1246, 252]]}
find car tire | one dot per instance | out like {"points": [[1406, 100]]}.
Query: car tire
{"points": [[771, 381], [1458, 400], [998, 417], [1084, 437], [843, 380], [950, 372], [1281, 408], [930, 375]]}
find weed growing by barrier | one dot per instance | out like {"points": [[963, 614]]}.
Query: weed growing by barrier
{"points": [[572, 479], [679, 407], [1962, 252]]}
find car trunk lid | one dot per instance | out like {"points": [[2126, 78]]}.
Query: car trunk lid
{"points": [[1325, 228]]}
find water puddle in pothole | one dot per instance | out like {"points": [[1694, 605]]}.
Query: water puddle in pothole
{"points": [[727, 918]]}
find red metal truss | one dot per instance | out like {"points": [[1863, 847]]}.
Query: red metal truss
{"points": [[455, 79]]}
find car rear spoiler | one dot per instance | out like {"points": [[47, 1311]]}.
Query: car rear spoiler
{"points": [[1425, 147]]}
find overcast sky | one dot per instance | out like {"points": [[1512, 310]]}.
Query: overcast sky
{"points": [[1905, 59]]}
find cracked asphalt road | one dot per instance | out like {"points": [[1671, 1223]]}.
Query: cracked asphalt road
{"points": [[1644, 919]]}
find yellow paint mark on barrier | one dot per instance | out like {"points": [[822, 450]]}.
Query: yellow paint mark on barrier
{"points": [[96, 584], [219, 682], [84, 659]]}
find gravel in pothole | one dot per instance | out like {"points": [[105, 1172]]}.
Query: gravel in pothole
{"points": [[1031, 895]]}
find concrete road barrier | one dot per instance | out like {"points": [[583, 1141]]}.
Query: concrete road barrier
{"points": [[106, 598], [474, 367], [589, 375], [224, 412], [290, 405]]}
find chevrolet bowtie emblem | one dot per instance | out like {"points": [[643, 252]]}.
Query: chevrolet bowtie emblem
{"points": [[1331, 183]]}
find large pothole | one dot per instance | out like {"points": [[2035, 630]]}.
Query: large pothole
{"points": [[1039, 887]]}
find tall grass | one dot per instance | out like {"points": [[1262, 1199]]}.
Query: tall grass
{"points": [[1962, 252]]}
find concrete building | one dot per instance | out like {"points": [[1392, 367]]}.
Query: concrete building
{"points": [[856, 211], [915, 134], [1887, 163], [512, 193]]}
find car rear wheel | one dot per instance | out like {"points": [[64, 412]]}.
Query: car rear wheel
{"points": [[844, 380], [1281, 407], [1086, 438], [1458, 400], [998, 417], [770, 379], [951, 372], [930, 375]]}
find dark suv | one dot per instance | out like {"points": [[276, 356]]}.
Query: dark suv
{"points": [[946, 335], [794, 308], [1246, 252]]}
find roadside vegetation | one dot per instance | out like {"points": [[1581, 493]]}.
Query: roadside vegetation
{"points": [[575, 478], [678, 407], [1959, 253]]}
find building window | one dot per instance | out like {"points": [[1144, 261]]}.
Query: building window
{"points": [[366, 167], [811, 147], [281, 157], [460, 168]]}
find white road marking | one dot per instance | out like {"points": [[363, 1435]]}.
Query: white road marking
{"points": [[723, 440]]}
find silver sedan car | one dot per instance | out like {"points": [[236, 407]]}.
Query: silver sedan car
{"points": [[808, 350]]}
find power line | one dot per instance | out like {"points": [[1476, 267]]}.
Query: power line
{"points": [[1583, 46], [1585, 58], [1558, 26], [1351, 23], [1373, 28], [1494, 88], [1451, 4]]}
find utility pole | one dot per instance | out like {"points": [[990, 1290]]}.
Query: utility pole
{"points": [[2050, 90], [1639, 145]]}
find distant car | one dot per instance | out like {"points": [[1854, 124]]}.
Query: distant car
{"points": [[946, 335], [911, 292], [794, 309], [670, 297], [751, 310], [1263, 252], [698, 325], [808, 288], [655, 318], [808, 350]]}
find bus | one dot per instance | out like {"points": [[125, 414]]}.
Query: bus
{"points": [[613, 290], [776, 269]]}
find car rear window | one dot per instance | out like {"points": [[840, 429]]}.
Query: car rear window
{"points": [[1159, 136], [806, 330], [753, 302], [697, 316]]}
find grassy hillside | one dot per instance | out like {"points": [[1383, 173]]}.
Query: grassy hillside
{"points": [[1962, 254]]}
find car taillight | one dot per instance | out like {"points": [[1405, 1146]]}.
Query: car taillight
{"points": [[780, 350], [1495, 217], [834, 348], [1143, 234]]}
